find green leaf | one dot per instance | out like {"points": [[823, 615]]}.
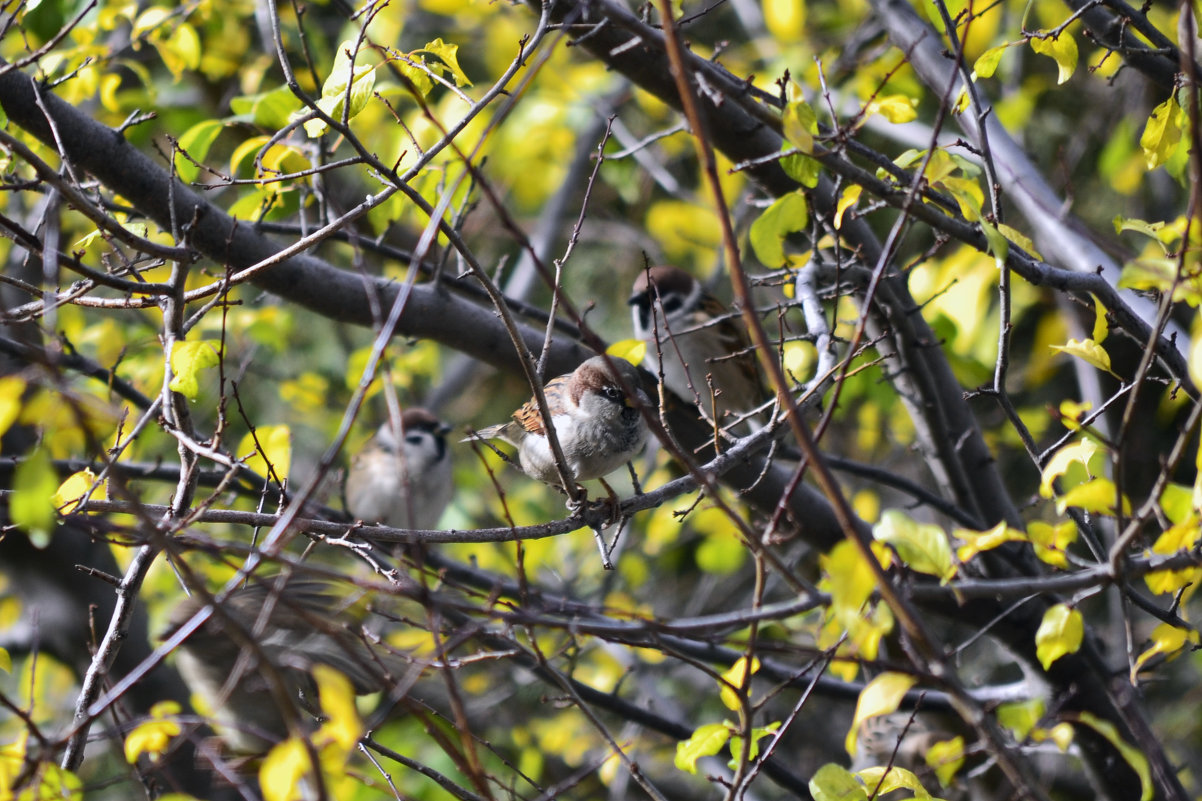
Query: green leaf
{"points": [[802, 169], [923, 547], [31, 505], [1020, 717], [196, 142], [996, 243], [188, 358], [789, 214], [835, 783], [448, 54], [1060, 633], [360, 77], [706, 741], [987, 63], [270, 110], [799, 124], [753, 750], [1062, 48]]}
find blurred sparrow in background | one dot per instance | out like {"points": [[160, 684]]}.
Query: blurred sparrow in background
{"points": [[597, 423], [691, 336], [407, 486], [249, 661]]}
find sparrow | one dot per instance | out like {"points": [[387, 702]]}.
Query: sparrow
{"points": [[253, 654], [597, 423], [695, 341], [407, 486]]}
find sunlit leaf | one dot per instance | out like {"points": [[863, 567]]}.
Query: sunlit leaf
{"points": [[448, 54], [1051, 542], [737, 676], [881, 696], [847, 199], [706, 741], [66, 498], [1097, 495], [1167, 640], [922, 546], [895, 778], [342, 724], [282, 770], [1059, 634], [1181, 537], [1081, 452], [275, 443], [1087, 349], [359, 76], [895, 108], [632, 350], [977, 541], [800, 124], [12, 387], [1062, 48], [188, 358], [1162, 133], [753, 749], [153, 735], [987, 63]]}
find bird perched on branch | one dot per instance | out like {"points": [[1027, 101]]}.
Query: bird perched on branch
{"points": [[595, 412], [402, 478], [250, 660], [700, 346]]}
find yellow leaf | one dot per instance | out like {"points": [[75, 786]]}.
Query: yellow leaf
{"points": [[785, 19], [11, 389], [282, 770], [737, 677], [448, 54], [632, 350], [895, 108], [799, 124], [1100, 327], [1179, 538], [1088, 350], [1019, 238], [276, 445], [836, 783], [706, 741], [1137, 761], [1166, 639], [1162, 133], [896, 779], [6, 661], [342, 725], [1051, 542], [922, 546], [881, 696], [987, 63], [847, 199], [1096, 495], [188, 358], [359, 76], [66, 499], [788, 214], [946, 757], [1060, 633], [151, 737], [1063, 49], [1060, 462], [1020, 717], [978, 541]]}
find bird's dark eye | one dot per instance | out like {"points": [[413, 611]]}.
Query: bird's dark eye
{"points": [[414, 439], [613, 393], [672, 303]]}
